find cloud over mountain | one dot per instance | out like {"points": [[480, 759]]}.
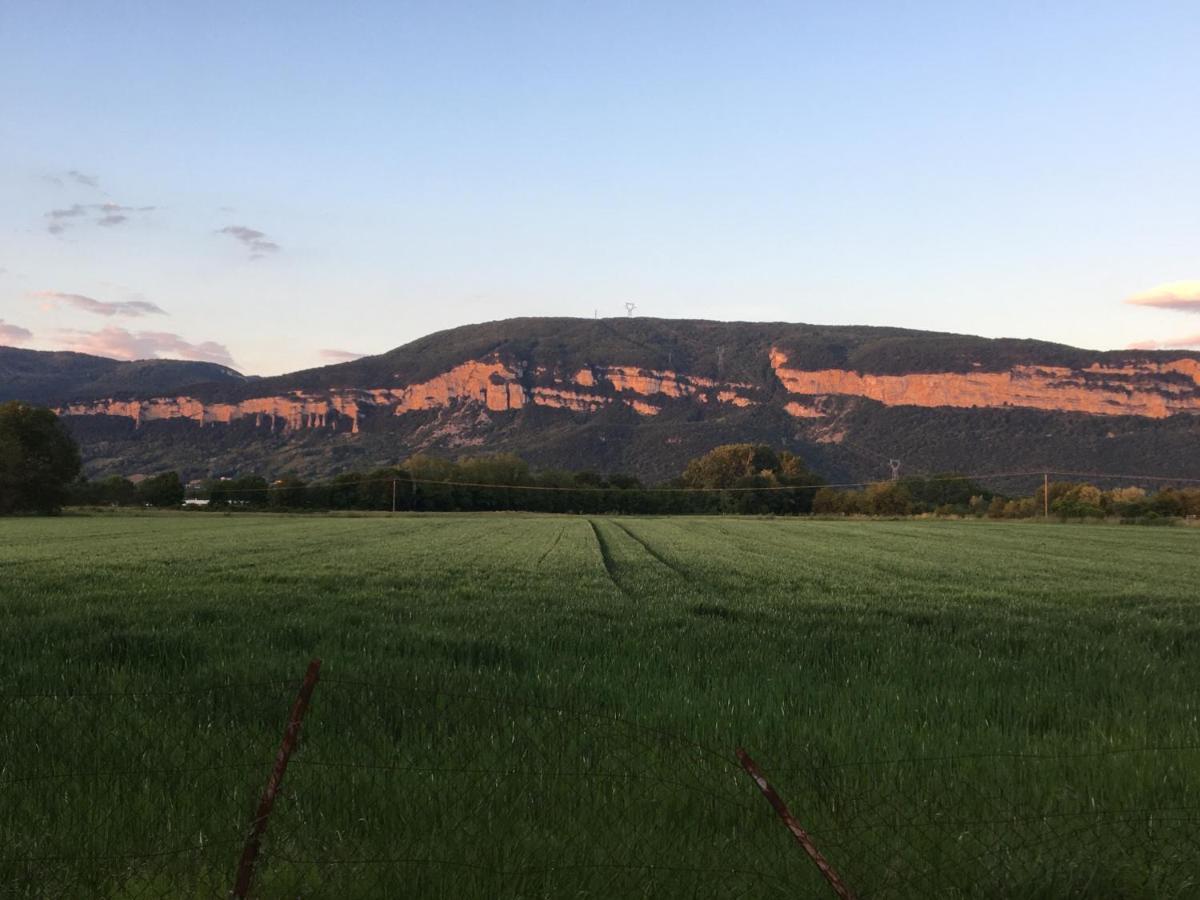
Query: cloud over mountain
{"points": [[1183, 296], [118, 343], [132, 308], [337, 356], [1188, 342], [13, 334]]}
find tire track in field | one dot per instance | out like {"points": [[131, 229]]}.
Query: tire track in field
{"points": [[630, 577], [550, 549], [610, 566], [654, 553]]}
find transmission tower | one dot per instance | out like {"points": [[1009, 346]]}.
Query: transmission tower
{"points": [[894, 465], [629, 308]]}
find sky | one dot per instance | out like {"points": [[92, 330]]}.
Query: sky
{"points": [[276, 186]]}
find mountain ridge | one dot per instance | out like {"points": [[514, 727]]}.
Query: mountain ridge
{"points": [[639, 393]]}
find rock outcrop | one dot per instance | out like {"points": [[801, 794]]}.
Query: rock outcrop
{"points": [[1154, 390], [491, 384]]}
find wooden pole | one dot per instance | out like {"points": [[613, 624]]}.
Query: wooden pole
{"points": [[266, 803], [1046, 495], [393, 495], [802, 837]]}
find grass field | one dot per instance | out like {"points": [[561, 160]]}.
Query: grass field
{"points": [[445, 639]]}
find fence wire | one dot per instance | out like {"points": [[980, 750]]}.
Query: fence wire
{"points": [[133, 795], [1108, 824], [399, 792]]}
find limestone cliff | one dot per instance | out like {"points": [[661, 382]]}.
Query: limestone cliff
{"points": [[1152, 389], [490, 384]]}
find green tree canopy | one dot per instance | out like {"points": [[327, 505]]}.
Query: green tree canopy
{"points": [[161, 490], [723, 466], [38, 459], [746, 467]]}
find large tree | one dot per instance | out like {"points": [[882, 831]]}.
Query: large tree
{"points": [[162, 490], [38, 459], [759, 478]]}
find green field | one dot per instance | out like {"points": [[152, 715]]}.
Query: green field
{"points": [[149, 661]]}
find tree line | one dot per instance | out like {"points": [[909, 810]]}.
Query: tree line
{"points": [[40, 472], [737, 478]]}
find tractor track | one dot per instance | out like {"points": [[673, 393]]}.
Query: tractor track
{"points": [[654, 553], [610, 567], [550, 549]]}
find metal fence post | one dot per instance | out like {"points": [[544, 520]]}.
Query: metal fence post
{"points": [[266, 803], [797, 830]]}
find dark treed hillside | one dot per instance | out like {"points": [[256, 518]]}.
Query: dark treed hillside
{"points": [[59, 376]]}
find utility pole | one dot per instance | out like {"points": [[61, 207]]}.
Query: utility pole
{"points": [[1046, 495], [393, 495]]}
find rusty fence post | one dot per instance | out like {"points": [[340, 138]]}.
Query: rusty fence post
{"points": [[266, 803], [802, 837]]}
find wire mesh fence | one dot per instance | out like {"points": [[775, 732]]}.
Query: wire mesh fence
{"points": [[394, 791], [141, 794], [1106, 824]]}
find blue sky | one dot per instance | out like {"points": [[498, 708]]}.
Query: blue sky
{"points": [[284, 180]]}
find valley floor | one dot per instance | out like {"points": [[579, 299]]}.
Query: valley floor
{"points": [[1013, 659]]}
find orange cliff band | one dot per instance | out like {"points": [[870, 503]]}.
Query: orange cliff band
{"points": [[488, 383], [1115, 391], [1153, 390]]}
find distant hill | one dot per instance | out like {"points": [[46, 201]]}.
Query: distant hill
{"points": [[59, 376], [640, 395]]}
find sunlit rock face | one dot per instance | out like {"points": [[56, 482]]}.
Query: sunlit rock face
{"points": [[492, 384], [1148, 389], [1153, 390], [292, 411]]}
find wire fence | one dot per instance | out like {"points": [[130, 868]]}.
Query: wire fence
{"points": [[394, 791]]}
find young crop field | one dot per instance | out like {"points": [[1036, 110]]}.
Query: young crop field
{"points": [[546, 706]]}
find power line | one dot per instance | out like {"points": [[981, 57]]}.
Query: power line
{"points": [[969, 476]]}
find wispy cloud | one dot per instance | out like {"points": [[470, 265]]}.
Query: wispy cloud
{"points": [[1188, 342], [13, 334], [1183, 296], [106, 214], [79, 178], [75, 177], [118, 343], [337, 356], [252, 239], [132, 308]]}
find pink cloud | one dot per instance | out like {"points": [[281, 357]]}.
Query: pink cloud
{"points": [[13, 334], [1178, 295], [1189, 342], [119, 343], [337, 356]]}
